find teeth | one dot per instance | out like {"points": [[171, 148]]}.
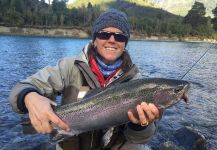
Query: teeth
{"points": [[110, 48]]}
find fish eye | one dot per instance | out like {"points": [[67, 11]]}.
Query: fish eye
{"points": [[178, 89]]}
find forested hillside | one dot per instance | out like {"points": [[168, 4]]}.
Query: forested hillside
{"points": [[178, 7], [144, 17]]}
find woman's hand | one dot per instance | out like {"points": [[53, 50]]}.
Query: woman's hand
{"points": [[147, 113], [41, 113]]}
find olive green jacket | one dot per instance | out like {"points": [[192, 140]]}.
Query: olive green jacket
{"points": [[70, 78]]}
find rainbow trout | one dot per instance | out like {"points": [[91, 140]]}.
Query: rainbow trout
{"points": [[109, 107]]}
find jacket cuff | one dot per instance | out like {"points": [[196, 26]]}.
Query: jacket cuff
{"points": [[20, 99], [136, 127]]}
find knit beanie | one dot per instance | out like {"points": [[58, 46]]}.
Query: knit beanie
{"points": [[112, 18]]}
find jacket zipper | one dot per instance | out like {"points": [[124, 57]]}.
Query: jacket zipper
{"points": [[104, 84]]}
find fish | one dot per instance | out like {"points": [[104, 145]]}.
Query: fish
{"points": [[108, 107]]}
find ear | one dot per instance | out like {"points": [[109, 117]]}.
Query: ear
{"points": [[94, 44]]}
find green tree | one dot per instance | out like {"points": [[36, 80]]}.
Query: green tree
{"points": [[59, 10], [196, 16], [13, 17], [214, 20], [90, 13]]}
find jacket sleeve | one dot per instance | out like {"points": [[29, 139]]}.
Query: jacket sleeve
{"points": [[140, 136], [47, 82]]}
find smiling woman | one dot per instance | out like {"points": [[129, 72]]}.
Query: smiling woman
{"points": [[103, 62]]}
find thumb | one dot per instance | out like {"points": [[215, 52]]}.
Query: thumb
{"points": [[52, 102]]}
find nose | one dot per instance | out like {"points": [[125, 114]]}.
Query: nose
{"points": [[111, 38]]}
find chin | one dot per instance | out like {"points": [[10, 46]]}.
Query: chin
{"points": [[110, 61]]}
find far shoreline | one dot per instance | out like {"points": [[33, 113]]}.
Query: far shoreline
{"points": [[83, 33]]}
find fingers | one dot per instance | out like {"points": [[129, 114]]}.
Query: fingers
{"points": [[41, 125], [35, 123], [153, 112], [46, 126], [56, 120], [41, 113], [147, 113], [39, 121], [52, 102], [142, 116], [132, 118]]}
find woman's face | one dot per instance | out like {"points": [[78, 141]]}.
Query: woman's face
{"points": [[110, 50]]}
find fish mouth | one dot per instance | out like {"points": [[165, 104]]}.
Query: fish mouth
{"points": [[181, 93], [178, 94]]}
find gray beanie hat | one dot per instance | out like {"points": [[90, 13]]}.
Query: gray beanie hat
{"points": [[112, 18]]}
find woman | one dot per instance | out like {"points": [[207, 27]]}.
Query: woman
{"points": [[104, 61]]}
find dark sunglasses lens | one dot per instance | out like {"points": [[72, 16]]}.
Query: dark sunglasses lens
{"points": [[103, 35], [120, 38]]}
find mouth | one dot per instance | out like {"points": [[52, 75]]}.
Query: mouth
{"points": [[111, 48]]}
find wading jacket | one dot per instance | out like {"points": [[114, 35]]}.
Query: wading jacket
{"points": [[72, 78]]}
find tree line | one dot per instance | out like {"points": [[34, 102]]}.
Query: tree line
{"points": [[144, 20]]}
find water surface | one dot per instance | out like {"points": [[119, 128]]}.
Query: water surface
{"points": [[23, 56]]}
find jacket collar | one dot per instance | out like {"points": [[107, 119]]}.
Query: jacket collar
{"points": [[83, 57]]}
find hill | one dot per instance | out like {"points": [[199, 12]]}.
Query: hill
{"points": [[180, 7], [144, 17], [79, 3], [138, 8]]}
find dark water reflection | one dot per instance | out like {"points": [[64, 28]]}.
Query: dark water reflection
{"points": [[23, 56]]}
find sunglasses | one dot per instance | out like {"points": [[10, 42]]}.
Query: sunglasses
{"points": [[105, 35]]}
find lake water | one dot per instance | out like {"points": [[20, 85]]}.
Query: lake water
{"points": [[23, 56]]}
